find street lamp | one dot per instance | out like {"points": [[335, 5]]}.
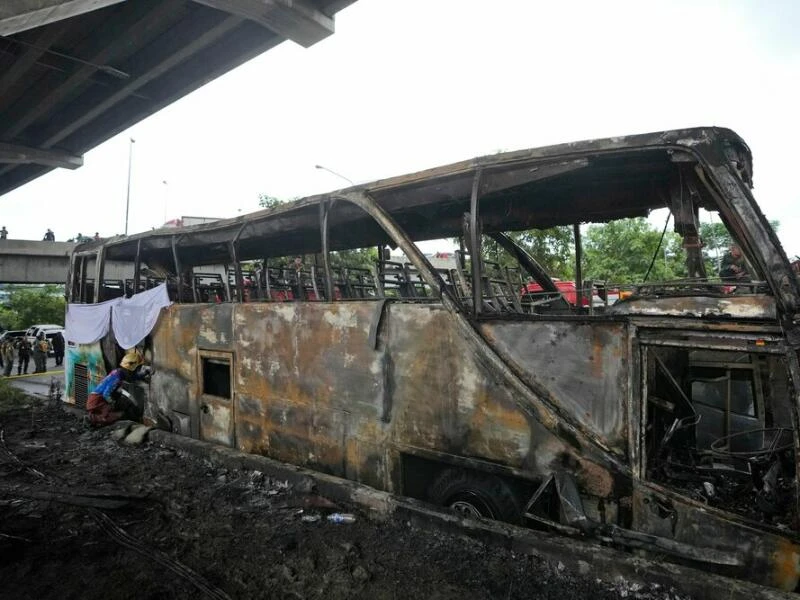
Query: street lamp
{"points": [[128, 195], [347, 179], [166, 198]]}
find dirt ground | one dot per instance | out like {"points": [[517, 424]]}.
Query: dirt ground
{"points": [[162, 524]]}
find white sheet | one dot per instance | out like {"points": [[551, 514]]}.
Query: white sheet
{"points": [[133, 318], [87, 323]]}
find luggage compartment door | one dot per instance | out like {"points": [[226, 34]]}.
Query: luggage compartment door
{"points": [[216, 397]]}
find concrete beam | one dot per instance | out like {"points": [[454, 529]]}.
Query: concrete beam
{"points": [[20, 15], [170, 61], [296, 20], [16, 154], [113, 40], [29, 261], [25, 61]]}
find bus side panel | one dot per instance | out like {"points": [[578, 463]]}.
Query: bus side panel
{"points": [[183, 330], [310, 386], [583, 366], [448, 399], [313, 387], [764, 557]]}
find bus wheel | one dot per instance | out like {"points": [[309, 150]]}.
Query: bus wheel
{"points": [[475, 495]]}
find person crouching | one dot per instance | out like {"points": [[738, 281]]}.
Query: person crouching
{"points": [[100, 404]]}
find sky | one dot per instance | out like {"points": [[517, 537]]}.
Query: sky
{"points": [[405, 85]]}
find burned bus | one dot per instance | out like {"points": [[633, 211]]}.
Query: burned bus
{"points": [[663, 418]]}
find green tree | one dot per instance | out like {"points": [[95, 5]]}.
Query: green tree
{"points": [[552, 248], [9, 319], [716, 241], [716, 238], [362, 258], [621, 251], [267, 201], [28, 306]]}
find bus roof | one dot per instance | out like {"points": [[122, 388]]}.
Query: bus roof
{"points": [[589, 181]]}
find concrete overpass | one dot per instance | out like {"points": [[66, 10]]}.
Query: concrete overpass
{"points": [[74, 73], [25, 261]]}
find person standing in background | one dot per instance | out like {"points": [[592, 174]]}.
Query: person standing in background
{"points": [[23, 355], [7, 350], [58, 347], [40, 348]]}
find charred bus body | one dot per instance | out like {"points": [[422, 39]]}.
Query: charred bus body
{"points": [[666, 420]]}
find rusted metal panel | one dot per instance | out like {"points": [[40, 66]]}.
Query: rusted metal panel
{"points": [[449, 399], [768, 558], [291, 399], [583, 365], [216, 420], [311, 386], [740, 307], [309, 352], [442, 398], [216, 396], [181, 331], [307, 435]]}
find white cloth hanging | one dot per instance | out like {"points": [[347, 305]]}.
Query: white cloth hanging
{"points": [[132, 319], [87, 323]]}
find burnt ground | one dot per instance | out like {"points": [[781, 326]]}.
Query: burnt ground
{"points": [[239, 532]]}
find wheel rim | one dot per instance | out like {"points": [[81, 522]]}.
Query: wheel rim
{"points": [[471, 505]]}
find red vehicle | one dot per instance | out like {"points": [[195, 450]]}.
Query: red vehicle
{"points": [[570, 293], [567, 289]]}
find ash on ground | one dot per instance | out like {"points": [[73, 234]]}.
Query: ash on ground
{"points": [[84, 516]]}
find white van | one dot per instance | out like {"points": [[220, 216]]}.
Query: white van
{"points": [[49, 332]]}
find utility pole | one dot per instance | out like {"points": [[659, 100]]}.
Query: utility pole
{"points": [[128, 196], [166, 199]]}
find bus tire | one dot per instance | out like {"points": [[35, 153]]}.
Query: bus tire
{"points": [[473, 495]]}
